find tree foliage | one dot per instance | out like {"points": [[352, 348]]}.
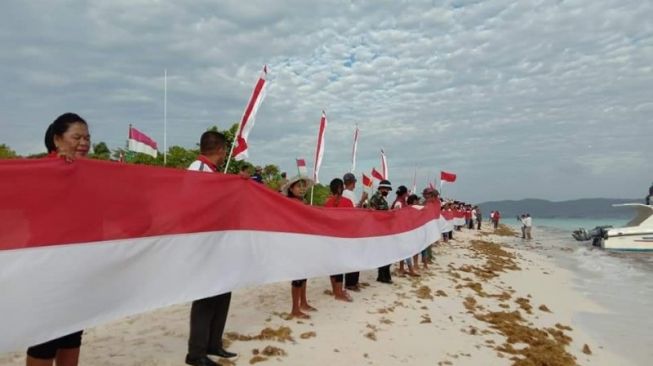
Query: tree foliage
{"points": [[6, 152], [100, 151]]}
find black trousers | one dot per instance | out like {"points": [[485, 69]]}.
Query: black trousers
{"points": [[384, 274], [351, 279], [207, 320]]}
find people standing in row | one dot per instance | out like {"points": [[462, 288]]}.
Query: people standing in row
{"points": [[337, 200], [67, 137], [208, 316], [349, 179], [295, 189], [378, 202]]}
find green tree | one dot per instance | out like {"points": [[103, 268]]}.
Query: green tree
{"points": [[320, 195], [100, 151], [179, 157], [6, 152]]}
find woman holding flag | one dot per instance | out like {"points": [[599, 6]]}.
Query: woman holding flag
{"points": [[296, 189], [67, 137]]}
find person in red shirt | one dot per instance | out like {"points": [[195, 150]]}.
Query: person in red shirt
{"points": [[337, 186], [496, 218]]}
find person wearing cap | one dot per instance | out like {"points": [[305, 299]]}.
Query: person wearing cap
{"points": [[350, 184], [258, 175], [208, 316], [399, 203], [349, 179], [378, 202], [295, 189]]}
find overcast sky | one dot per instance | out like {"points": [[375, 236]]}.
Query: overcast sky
{"points": [[544, 99]]}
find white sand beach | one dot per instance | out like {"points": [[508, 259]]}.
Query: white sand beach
{"points": [[478, 304]]}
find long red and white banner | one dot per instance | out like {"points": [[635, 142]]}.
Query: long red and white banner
{"points": [[319, 148], [354, 150], [92, 241], [249, 116]]}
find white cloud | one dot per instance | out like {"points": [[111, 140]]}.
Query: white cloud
{"points": [[485, 89]]}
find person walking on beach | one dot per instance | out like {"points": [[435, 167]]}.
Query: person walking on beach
{"points": [[523, 227], [337, 200], [296, 189], [67, 137], [479, 218], [352, 278], [495, 219], [527, 226], [208, 316], [378, 202]]}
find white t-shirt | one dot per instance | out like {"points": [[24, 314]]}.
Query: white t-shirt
{"points": [[351, 195], [200, 166], [528, 222]]}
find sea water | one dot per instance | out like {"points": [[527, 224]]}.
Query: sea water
{"points": [[620, 282]]}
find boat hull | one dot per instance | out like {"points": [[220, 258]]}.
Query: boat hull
{"points": [[627, 239]]}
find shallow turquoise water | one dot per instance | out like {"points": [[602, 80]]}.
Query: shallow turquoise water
{"points": [[621, 282]]}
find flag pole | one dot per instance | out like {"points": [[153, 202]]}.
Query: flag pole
{"points": [[231, 151], [165, 116]]}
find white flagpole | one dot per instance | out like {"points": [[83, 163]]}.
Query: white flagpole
{"points": [[165, 116], [354, 150]]}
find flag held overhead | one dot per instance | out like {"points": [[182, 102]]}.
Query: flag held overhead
{"points": [[447, 177]]}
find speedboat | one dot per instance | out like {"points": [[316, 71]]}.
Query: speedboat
{"points": [[636, 235]]}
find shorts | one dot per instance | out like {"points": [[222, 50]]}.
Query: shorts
{"points": [[298, 283], [48, 350]]}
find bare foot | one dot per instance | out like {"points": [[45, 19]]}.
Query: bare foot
{"points": [[299, 314], [344, 296], [308, 307], [413, 274]]}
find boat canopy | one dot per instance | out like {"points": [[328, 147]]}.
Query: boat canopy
{"points": [[644, 214]]}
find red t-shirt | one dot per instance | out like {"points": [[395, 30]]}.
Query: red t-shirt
{"points": [[341, 202]]}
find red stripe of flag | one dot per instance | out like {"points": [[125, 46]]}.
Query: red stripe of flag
{"points": [[447, 177]]}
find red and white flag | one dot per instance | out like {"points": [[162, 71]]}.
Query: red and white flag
{"points": [[319, 150], [126, 239], [367, 181], [447, 177], [301, 167], [354, 150], [384, 165], [247, 122], [376, 174], [141, 143], [414, 188]]}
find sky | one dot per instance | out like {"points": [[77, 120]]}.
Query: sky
{"points": [[521, 99]]}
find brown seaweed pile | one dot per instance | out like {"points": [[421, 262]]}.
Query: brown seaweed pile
{"points": [[282, 334]]}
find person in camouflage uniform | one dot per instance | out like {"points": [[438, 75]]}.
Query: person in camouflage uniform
{"points": [[378, 202]]}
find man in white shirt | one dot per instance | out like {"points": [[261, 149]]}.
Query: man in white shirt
{"points": [[528, 224], [527, 221], [208, 316], [351, 279], [350, 185]]}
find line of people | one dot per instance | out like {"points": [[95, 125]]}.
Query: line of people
{"points": [[68, 137]]}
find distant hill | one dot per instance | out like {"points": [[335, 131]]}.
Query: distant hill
{"points": [[582, 208]]}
